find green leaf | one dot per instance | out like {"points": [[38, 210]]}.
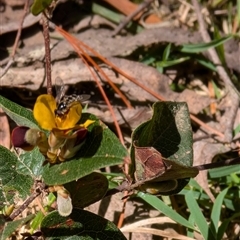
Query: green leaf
{"points": [[80, 224], [166, 52], [238, 12], [198, 216], [223, 171], [201, 47], [216, 210], [220, 48], [10, 179], [101, 149], [236, 130], [169, 132], [113, 16], [10, 227], [30, 163], [217, 91], [19, 114], [87, 190], [165, 209], [172, 62], [36, 222], [222, 229], [205, 62], [39, 6]]}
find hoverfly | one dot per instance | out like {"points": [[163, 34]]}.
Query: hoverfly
{"points": [[65, 102]]}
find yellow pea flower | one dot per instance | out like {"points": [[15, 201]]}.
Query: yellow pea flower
{"points": [[44, 114]]}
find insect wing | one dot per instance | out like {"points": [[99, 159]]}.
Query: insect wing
{"points": [[60, 89], [84, 97]]}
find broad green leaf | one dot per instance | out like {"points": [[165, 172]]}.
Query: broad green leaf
{"points": [[11, 180], [101, 149], [200, 47], [10, 227], [198, 216], [165, 209], [19, 114], [39, 6], [169, 132], [80, 224], [31, 163], [216, 210], [87, 190]]}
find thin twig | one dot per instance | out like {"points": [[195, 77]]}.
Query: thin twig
{"points": [[221, 71], [225, 163], [206, 128], [45, 23], [36, 193], [19, 32], [128, 186], [126, 20]]}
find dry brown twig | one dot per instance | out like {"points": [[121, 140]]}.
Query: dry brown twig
{"points": [[19, 32], [126, 20], [232, 91], [38, 190], [45, 24]]}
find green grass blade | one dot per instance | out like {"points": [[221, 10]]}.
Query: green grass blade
{"points": [[216, 210], [238, 11], [198, 216], [172, 62], [166, 52], [222, 229], [166, 210], [223, 171], [200, 47], [206, 63]]}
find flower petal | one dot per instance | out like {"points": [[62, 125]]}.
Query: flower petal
{"points": [[71, 118], [87, 123], [43, 111]]}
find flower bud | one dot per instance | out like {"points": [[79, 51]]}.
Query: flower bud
{"points": [[52, 155], [56, 139], [73, 144], [64, 201], [7, 210], [27, 138]]}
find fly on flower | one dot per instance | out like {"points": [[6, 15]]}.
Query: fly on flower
{"points": [[65, 102]]}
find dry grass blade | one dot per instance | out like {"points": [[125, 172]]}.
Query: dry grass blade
{"points": [[169, 235], [159, 220]]}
